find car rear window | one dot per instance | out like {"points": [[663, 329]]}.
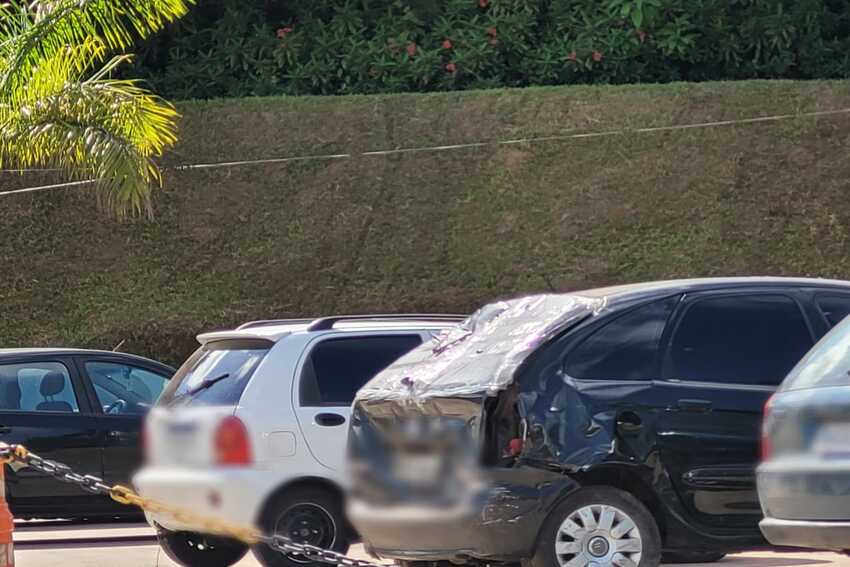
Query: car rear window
{"points": [[337, 368], [827, 364], [834, 307], [216, 374], [624, 349]]}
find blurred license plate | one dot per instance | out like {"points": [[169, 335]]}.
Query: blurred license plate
{"points": [[417, 469], [178, 444], [833, 440]]}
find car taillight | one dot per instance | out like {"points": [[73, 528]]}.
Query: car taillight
{"points": [[232, 447], [765, 438]]}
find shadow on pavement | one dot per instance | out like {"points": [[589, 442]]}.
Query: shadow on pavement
{"points": [[775, 560]]}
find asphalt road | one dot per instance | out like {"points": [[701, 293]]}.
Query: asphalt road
{"points": [[131, 545]]}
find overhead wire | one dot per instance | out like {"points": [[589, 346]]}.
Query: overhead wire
{"points": [[438, 148]]}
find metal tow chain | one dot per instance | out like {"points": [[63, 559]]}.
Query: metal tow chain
{"points": [[124, 495]]}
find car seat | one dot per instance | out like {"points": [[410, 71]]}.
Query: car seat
{"points": [[53, 383]]}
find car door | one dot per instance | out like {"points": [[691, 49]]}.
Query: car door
{"points": [[43, 406], [726, 353], [123, 391], [329, 374]]}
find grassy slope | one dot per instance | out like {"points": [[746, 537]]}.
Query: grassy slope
{"points": [[433, 230]]}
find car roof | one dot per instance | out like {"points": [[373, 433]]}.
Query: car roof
{"points": [[276, 329], [69, 351], [647, 290]]}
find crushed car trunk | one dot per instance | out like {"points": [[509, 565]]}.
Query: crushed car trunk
{"points": [[449, 430], [470, 375]]}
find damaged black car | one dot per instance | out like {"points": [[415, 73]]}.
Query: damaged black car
{"points": [[616, 426]]}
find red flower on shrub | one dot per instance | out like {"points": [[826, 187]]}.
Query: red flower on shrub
{"points": [[491, 31], [483, 3], [572, 56], [281, 33], [411, 49], [447, 44], [451, 67], [597, 56]]}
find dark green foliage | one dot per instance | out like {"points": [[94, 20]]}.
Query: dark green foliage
{"points": [[252, 47]]}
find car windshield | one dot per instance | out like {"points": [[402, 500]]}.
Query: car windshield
{"points": [[216, 374], [827, 364]]}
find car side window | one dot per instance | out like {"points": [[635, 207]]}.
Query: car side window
{"points": [[740, 339], [624, 349], [122, 389], [834, 307], [38, 387], [337, 368]]}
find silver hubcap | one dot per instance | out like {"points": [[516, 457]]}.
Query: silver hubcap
{"points": [[598, 536]]}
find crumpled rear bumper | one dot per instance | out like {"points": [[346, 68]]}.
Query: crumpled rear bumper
{"points": [[498, 523]]}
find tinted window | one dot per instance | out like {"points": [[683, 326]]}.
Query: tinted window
{"points": [[624, 349], [827, 364], [753, 339], [834, 307], [217, 374], [37, 386], [337, 368], [124, 389]]}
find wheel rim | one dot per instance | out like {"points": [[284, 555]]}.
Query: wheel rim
{"points": [[307, 523], [598, 536]]}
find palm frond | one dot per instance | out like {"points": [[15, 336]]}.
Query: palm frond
{"points": [[105, 129], [53, 73], [51, 116], [33, 33]]}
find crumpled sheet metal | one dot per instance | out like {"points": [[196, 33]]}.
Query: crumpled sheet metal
{"points": [[481, 355], [566, 426]]}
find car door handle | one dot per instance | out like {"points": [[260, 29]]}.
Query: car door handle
{"points": [[5, 429], [329, 419], [697, 406]]}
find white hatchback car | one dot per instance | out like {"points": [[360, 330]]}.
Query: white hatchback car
{"points": [[253, 429]]}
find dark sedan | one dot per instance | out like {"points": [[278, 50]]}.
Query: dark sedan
{"points": [[83, 408], [804, 481]]}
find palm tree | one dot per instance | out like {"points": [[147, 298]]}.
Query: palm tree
{"points": [[60, 107]]}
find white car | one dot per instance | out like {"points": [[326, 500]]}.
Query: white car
{"points": [[252, 429]]}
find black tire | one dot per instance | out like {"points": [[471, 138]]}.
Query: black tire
{"points": [[691, 557], [198, 550], [628, 508], [312, 510]]}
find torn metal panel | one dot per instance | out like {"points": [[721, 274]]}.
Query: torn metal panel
{"points": [[482, 354], [570, 425]]}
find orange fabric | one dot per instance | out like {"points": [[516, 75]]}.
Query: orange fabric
{"points": [[7, 525]]}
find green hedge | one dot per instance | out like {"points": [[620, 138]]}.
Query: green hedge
{"points": [[252, 47], [432, 231]]}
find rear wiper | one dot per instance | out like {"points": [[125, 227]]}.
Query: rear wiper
{"points": [[206, 383]]}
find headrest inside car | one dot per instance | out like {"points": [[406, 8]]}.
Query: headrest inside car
{"points": [[52, 383]]}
